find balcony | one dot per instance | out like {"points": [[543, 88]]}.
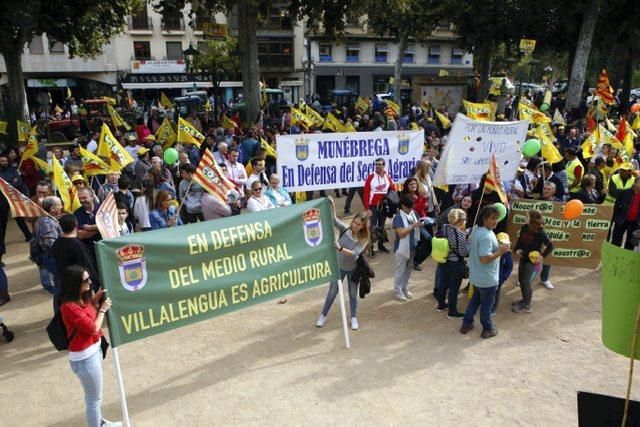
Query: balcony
{"points": [[173, 26], [353, 58], [326, 58], [277, 23], [381, 59], [141, 25]]}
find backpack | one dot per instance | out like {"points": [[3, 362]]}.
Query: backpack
{"points": [[58, 333], [35, 251], [439, 249]]}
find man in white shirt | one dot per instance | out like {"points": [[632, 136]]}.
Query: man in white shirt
{"points": [[235, 170], [132, 146], [93, 144], [258, 173]]}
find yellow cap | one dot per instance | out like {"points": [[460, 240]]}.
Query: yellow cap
{"points": [[503, 237]]}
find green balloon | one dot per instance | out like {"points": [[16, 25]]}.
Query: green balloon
{"points": [[531, 147], [502, 211], [544, 107], [170, 156]]}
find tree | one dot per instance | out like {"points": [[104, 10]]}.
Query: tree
{"points": [[581, 57], [404, 20], [84, 25], [220, 60]]}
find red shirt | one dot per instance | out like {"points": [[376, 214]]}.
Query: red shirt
{"points": [[633, 209], [83, 320], [375, 188]]}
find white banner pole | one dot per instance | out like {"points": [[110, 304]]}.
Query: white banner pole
{"points": [[123, 397], [344, 315]]}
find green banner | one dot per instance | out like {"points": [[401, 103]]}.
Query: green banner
{"points": [[165, 279], [620, 297]]}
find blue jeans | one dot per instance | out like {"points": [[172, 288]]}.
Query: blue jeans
{"points": [[483, 298], [4, 283], [378, 218], [544, 274], [451, 278], [333, 291], [438, 279], [89, 371]]}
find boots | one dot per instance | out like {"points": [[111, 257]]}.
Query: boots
{"points": [[4, 297], [6, 333]]}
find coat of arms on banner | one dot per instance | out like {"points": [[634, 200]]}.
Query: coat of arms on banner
{"points": [[302, 149], [403, 144], [312, 227], [132, 266]]}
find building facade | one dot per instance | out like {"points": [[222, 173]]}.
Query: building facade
{"points": [[436, 68]]}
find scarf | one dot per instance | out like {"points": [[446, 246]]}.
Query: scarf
{"points": [[404, 246]]}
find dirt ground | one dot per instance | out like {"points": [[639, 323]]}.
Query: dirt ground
{"points": [[269, 364]]}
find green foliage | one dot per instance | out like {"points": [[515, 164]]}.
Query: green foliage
{"points": [[392, 17], [221, 58]]}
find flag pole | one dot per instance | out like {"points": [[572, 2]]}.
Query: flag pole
{"points": [[343, 312], [479, 206], [123, 397], [185, 195]]}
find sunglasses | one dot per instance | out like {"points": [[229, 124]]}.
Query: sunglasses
{"points": [[257, 189], [379, 164], [87, 280]]}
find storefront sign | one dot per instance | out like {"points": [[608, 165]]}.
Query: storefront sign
{"points": [[150, 67]]}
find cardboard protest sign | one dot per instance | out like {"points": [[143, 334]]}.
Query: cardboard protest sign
{"points": [[342, 160], [576, 243], [471, 144], [166, 279], [620, 297]]}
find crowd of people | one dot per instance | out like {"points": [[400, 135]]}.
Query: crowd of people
{"points": [[151, 194]]}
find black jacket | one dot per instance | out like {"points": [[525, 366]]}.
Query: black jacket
{"points": [[622, 206], [361, 275]]}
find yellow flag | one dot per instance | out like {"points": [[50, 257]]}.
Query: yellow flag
{"points": [[313, 115], [268, 148], [165, 101], [446, 123], [348, 127], [526, 112], [549, 151], [227, 123], [24, 129], [589, 145], [3, 127], [110, 101], [110, 148], [362, 104], [443, 73], [332, 123], [636, 122], [69, 96], [299, 118], [607, 137], [557, 118], [67, 190], [117, 120], [188, 134], [301, 196], [425, 105], [610, 126], [628, 143], [93, 165], [478, 111], [42, 165], [32, 144], [165, 134], [394, 107]]}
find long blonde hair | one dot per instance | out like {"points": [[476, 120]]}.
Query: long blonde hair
{"points": [[363, 234]]}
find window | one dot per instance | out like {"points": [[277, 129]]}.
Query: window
{"points": [[142, 50], [382, 52], [174, 50], [56, 48], [36, 46], [353, 52], [380, 84], [174, 23], [353, 84], [325, 53], [409, 54], [434, 54], [141, 20], [456, 55], [275, 52]]}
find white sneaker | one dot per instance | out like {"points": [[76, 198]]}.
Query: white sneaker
{"points": [[547, 284], [400, 297], [321, 321], [354, 323], [408, 295]]}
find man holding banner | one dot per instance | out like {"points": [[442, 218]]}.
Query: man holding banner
{"points": [[376, 187]]}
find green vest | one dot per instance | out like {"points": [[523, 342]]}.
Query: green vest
{"points": [[617, 181], [571, 176]]}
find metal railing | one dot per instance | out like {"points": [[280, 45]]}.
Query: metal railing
{"points": [[173, 24], [140, 23]]}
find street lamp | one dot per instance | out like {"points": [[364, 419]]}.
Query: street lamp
{"points": [[190, 56]]}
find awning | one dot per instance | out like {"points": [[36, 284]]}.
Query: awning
{"points": [[51, 82], [177, 85]]}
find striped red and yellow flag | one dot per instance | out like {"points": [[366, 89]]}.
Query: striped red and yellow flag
{"points": [[107, 218], [603, 89], [20, 205], [493, 181], [209, 175]]}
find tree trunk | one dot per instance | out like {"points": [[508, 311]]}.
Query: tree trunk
{"points": [[583, 49], [485, 71], [16, 108], [628, 75], [397, 72], [248, 47]]}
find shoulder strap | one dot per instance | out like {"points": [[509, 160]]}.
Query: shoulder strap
{"points": [[460, 258]]}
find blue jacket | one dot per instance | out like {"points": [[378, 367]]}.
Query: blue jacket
{"points": [[506, 267]]}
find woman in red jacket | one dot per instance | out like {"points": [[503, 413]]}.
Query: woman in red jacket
{"points": [[83, 324]]}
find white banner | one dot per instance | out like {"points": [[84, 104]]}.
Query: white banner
{"points": [[153, 67], [467, 155], [321, 161]]}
